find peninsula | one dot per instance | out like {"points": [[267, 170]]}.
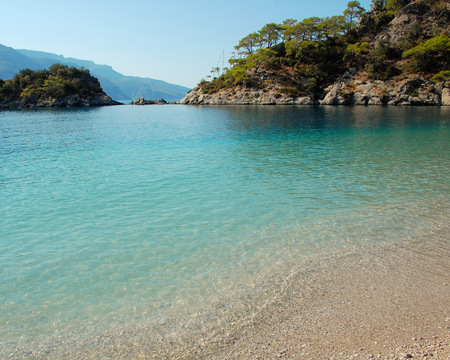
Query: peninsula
{"points": [[398, 53], [60, 86]]}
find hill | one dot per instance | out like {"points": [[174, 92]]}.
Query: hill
{"points": [[59, 86], [398, 53], [116, 85]]}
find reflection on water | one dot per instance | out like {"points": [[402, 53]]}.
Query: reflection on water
{"points": [[248, 118]]}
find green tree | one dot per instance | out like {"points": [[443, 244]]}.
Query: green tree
{"points": [[313, 30], [287, 24], [333, 27], [215, 71], [352, 14], [355, 54], [270, 34], [59, 81], [308, 29], [261, 57], [248, 44], [8, 91]]}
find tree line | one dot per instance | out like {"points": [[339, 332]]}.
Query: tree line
{"points": [[58, 81], [319, 49]]}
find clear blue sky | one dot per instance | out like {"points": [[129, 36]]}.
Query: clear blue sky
{"points": [[177, 41]]}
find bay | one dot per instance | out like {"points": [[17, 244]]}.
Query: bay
{"points": [[119, 216]]}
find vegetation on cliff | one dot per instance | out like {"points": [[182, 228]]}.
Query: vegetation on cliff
{"points": [[30, 87], [304, 57]]}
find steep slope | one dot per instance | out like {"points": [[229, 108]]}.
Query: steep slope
{"points": [[398, 53]]}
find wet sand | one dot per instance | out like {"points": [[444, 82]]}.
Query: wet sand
{"points": [[386, 302], [390, 304]]}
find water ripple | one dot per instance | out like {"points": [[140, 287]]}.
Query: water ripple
{"points": [[115, 214]]}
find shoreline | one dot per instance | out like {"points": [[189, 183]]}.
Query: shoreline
{"points": [[393, 306], [387, 301], [290, 102], [348, 91]]}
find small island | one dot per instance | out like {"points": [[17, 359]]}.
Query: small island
{"points": [[60, 86], [398, 53], [142, 101]]}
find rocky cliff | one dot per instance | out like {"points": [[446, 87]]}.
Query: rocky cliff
{"points": [[352, 90], [378, 73]]}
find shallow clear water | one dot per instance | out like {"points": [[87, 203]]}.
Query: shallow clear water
{"points": [[122, 214]]}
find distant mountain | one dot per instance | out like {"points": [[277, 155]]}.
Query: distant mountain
{"points": [[116, 85], [11, 61]]}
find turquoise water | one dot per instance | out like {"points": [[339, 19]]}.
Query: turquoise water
{"points": [[110, 216]]}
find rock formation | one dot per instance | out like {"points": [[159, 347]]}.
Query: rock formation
{"points": [[142, 101], [409, 90]]}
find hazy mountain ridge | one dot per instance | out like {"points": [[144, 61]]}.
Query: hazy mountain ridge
{"points": [[115, 84]]}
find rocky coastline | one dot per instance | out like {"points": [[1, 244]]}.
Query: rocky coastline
{"points": [[350, 90], [68, 101], [376, 70]]}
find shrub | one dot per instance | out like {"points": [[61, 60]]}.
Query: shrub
{"points": [[430, 55], [356, 53], [380, 69], [396, 5], [292, 91], [441, 76]]}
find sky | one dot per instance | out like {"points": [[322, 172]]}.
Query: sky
{"points": [[178, 41]]}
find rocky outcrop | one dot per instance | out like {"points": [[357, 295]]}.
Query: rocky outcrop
{"points": [[414, 20], [243, 96], [445, 96], [142, 101], [68, 101], [410, 90]]}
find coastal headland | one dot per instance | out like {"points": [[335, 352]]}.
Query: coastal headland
{"points": [[395, 54]]}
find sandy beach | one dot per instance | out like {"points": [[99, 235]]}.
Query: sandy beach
{"points": [[385, 302], [388, 306]]}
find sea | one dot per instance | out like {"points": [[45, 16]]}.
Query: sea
{"points": [[171, 216]]}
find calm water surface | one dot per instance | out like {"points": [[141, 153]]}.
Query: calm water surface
{"points": [[122, 214]]}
